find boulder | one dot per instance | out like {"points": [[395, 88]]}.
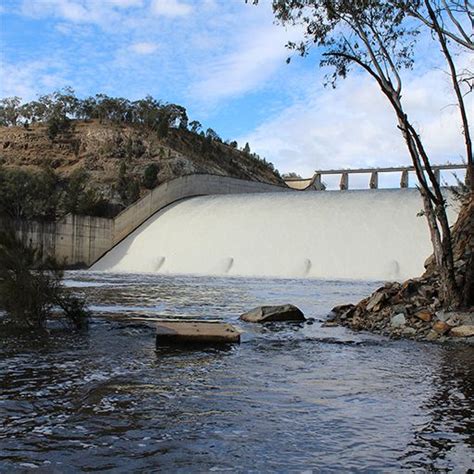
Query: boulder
{"points": [[375, 302], [267, 314], [398, 320], [462, 331], [195, 332], [425, 316], [441, 327]]}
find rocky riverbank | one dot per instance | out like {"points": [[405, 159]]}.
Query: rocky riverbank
{"points": [[414, 309], [411, 310]]}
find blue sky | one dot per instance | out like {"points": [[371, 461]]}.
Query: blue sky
{"points": [[224, 61]]}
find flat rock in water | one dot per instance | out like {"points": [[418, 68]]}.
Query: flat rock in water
{"points": [[267, 314], [196, 332]]}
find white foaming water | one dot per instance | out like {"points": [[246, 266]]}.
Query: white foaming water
{"points": [[370, 235]]}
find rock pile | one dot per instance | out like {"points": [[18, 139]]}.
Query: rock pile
{"points": [[410, 310]]}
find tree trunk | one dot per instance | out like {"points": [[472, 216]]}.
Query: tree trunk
{"points": [[434, 207]]}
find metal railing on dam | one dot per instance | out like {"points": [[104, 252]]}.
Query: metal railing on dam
{"points": [[315, 183]]}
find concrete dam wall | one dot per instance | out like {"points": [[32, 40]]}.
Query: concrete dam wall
{"points": [[82, 240], [374, 235]]}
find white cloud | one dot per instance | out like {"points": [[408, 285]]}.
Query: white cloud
{"points": [[126, 3], [144, 47], [170, 8], [260, 51], [100, 12], [353, 126], [27, 79]]}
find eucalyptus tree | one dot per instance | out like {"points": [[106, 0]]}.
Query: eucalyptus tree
{"points": [[375, 36], [10, 111], [453, 18], [449, 22]]}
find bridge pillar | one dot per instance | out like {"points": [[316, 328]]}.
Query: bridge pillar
{"points": [[437, 174], [374, 180], [318, 185], [404, 179], [344, 184]]}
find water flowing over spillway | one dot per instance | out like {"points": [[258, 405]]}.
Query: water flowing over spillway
{"points": [[372, 235]]}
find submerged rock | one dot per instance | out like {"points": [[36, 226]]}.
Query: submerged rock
{"points": [[267, 314]]}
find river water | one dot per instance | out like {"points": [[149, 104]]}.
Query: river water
{"points": [[295, 397]]}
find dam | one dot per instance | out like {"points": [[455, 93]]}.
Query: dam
{"points": [[355, 234]]}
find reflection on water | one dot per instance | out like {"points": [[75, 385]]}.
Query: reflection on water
{"points": [[289, 397]]}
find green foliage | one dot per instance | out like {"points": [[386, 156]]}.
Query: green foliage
{"points": [[80, 198], [128, 187], [57, 124], [40, 195], [150, 176], [10, 111], [28, 195], [31, 288]]}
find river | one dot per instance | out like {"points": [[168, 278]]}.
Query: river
{"points": [[290, 397]]}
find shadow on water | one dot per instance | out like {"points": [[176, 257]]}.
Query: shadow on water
{"points": [[436, 441]]}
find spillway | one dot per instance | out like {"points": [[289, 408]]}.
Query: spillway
{"points": [[369, 234]]}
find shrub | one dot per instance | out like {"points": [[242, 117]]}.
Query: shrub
{"points": [[150, 176], [57, 124], [31, 288]]}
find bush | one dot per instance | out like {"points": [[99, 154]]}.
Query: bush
{"points": [[57, 124], [31, 289], [150, 176]]}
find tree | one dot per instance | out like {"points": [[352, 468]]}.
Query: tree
{"points": [[452, 19], [212, 135], [195, 126], [128, 187], [28, 195], [445, 20], [374, 36], [150, 176], [80, 198], [10, 111], [246, 148]]}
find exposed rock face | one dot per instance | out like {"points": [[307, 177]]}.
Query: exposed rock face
{"points": [[414, 309], [267, 314]]}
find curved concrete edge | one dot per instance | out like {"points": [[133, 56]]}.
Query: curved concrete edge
{"points": [[180, 188]]}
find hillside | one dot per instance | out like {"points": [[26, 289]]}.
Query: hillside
{"points": [[117, 154], [100, 148]]}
